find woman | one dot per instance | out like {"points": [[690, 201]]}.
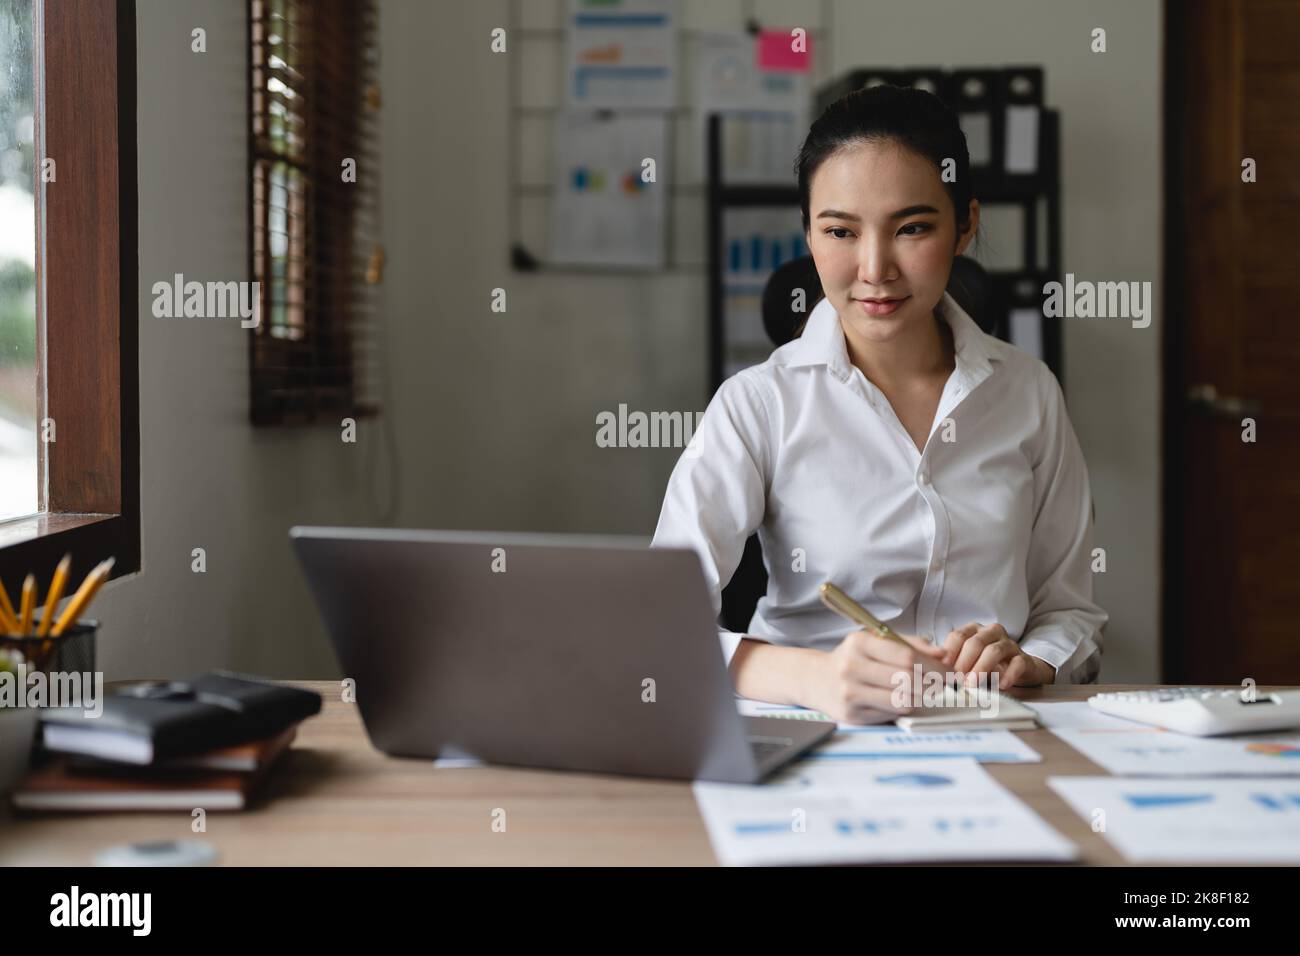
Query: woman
{"points": [[895, 449]]}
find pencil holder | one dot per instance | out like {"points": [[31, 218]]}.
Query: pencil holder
{"points": [[72, 651]]}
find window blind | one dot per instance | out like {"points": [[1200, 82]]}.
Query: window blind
{"points": [[314, 203]]}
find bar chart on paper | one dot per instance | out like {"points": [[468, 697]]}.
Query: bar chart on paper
{"points": [[884, 741], [1190, 820], [1126, 748], [889, 810]]}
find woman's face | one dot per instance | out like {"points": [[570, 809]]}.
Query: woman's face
{"points": [[882, 227]]}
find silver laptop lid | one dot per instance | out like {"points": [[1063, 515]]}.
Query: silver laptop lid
{"points": [[573, 652]]}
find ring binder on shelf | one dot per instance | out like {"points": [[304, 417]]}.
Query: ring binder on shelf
{"points": [[976, 98], [932, 80], [1022, 323], [1025, 317], [829, 92], [1022, 97]]}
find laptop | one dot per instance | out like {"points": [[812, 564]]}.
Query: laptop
{"points": [[587, 653]]}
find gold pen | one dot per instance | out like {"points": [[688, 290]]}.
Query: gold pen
{"points": [[846, 607]]}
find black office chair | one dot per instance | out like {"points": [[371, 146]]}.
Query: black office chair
{"points": [[968, 283]]}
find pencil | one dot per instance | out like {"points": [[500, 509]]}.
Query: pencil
{"points": [[8, 619], [29, 604], [84, 593], [56, 591]]}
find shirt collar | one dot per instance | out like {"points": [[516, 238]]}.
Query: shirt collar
{"points": [[822, 342]]}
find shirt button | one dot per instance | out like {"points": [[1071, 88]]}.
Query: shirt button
{"points": [[936, 565], [924, 477]]}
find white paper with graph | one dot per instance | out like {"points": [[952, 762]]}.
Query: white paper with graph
{"points": [[1129, 749], [878, 811], [854, 742], [1204, 820]]}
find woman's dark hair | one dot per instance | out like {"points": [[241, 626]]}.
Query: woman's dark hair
{"points": [[909, 117]]}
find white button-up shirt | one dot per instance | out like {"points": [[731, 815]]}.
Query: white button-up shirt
{"points": [[990, 523]]}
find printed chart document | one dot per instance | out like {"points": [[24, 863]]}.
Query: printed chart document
{"points": [[602, 212], [874, 812], [1127, 748], [621, 54], [1202, 820], [885, 741], [766, 99]]}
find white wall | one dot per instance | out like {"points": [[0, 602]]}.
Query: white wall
{"points": [[495, 414], [208, 479]]}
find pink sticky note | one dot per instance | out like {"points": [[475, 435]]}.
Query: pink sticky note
{"points": [[775, 51]]}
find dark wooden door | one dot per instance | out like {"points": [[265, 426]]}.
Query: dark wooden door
{"points": [[1232, 342]]}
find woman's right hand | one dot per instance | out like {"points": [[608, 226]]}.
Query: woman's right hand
{"points": [[856, 680]]}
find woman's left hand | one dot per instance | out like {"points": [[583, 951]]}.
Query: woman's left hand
{"points": [[987, 648]]}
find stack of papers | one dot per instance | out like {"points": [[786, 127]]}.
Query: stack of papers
{"points": [[1228, 803], [1127, 748], [877, 794], [875, 812]]}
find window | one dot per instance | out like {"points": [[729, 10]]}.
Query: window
{"points": [[314, 194], [72, 64], [18, 407]]}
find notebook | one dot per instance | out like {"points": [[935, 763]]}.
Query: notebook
{"points": [[156, 720], [241, 758], [56, 786], [971, 709]]}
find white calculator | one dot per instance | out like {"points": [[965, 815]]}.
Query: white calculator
{"points": [[1203, 711]]}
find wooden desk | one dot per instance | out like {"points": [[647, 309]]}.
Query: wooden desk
{"points": [[336, 801]]}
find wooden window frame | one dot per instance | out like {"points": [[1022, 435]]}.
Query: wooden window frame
{"points": [[88, 304]]}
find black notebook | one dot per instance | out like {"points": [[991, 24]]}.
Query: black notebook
{"points": [[158, 720]]}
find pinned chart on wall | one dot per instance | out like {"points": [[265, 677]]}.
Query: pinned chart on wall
{"points": [[622, 54], [604, 212], [763, 80]]}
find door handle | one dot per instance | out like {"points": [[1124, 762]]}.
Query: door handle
{"points": [[1206, 397]]}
